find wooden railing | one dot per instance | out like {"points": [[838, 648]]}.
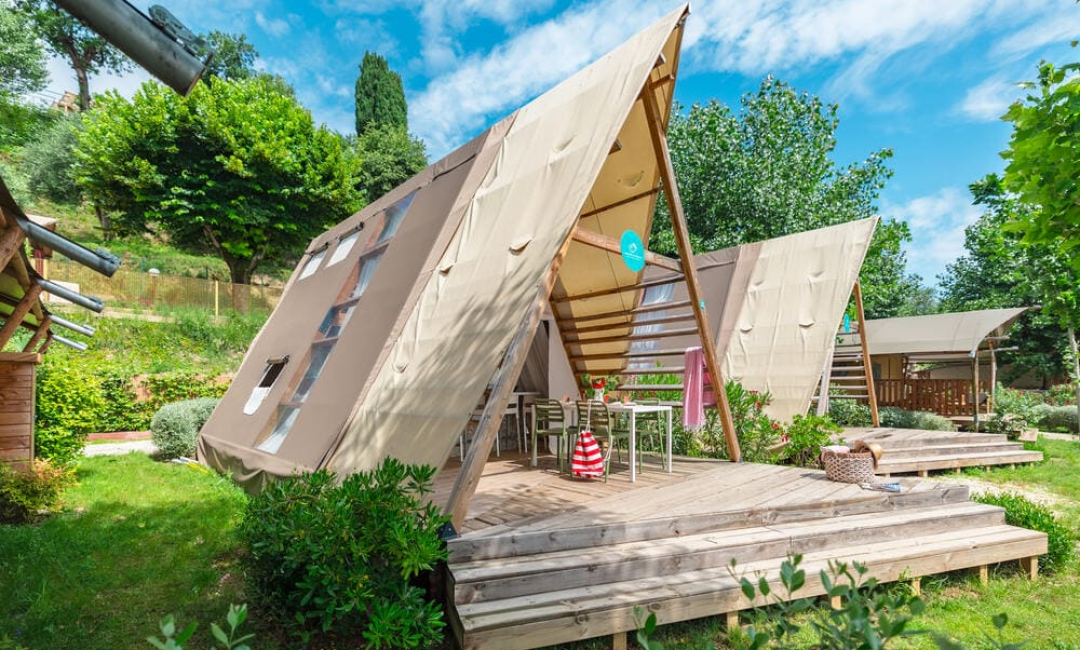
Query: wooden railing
{"points": [[947, 397]]}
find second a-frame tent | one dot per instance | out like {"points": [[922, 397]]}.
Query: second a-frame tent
{"points": [[401, 319]]}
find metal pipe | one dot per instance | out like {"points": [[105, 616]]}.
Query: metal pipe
{"points": [[81, 347], [101, 260], [85, 330], [136, 35], [92, 303]]}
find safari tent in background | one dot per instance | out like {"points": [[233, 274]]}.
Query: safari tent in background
{"points": [[401, 319]]}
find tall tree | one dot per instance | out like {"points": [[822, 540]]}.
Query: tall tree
{"points": [[388, 157], [234, 57], [767, 171], [85, 51], [22, 61], [237, 168], [380, 97], [998, 270], [1044, 158]]}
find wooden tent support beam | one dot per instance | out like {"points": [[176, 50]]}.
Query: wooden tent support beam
{"points": [[618, 204], [648, 354], [16, 318], [40, 331], [472, 468], [686, 255], [867, 367], [681, 318], [676, 304], [45, 346], [635, 337], [612, 245], [10, 242], [630, 287]]}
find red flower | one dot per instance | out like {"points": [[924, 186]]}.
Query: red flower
{"points": [[753, 392], [785, 438], [776, 427], [757, 405], [598, 383]]}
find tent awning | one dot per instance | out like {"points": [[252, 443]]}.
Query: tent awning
{"points": [[937, 334]]}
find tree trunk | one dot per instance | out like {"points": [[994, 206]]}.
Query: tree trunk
{"points": [[105, 221], [1076, 372], [84, 88], [240, 275]]}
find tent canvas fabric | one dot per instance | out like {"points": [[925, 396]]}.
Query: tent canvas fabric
{"points": [[778, 305], [957, 332], [396, 321]]}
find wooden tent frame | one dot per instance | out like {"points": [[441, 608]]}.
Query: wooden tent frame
{"points": [[514, 360], [12, 241]]}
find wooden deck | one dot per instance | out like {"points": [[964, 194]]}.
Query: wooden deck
{"points": [[547, 559], [909, 451]]}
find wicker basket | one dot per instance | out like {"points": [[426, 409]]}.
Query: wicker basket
{"points": [[850, 466]]}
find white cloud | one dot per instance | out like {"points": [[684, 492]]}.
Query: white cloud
{"points": [[937, 224], [988, 101], [273, 26], [1062, 25]]}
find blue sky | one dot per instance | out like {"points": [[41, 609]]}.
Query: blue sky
{"points": [[928, 78]]}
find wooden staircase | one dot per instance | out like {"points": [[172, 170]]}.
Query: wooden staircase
{"points": [[533, 590], [916, 451]]}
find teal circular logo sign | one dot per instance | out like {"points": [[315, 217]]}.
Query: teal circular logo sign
{"points": [[633, 251]]}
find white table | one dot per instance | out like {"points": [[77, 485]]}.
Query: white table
{"points": [[632, 410]]}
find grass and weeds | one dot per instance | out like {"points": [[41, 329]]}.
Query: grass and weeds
{"points": [[137, 540]]}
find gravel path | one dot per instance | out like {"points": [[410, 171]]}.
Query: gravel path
{"points": [[120, 448]]}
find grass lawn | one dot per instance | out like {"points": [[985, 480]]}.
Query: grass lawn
{"points": [[138, 539]]}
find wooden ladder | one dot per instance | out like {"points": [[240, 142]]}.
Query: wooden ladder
{"points": [[848, 373]]}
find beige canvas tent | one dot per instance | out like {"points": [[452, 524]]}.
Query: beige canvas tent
{"points": [[775, 305], [401, 319]]}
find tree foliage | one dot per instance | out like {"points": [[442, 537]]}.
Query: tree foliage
{"points": [[236, 168], [22, 61], [380, 97], [767, 171], [998, 270], [66, 37], [49, 160], [234, 57], [1044, 159], [388, 157]]}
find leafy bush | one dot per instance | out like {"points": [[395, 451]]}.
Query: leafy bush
{"points": [[48, 160], [346, 556], [1021, 511], [758, 434], [26, 495], [1057, 418], [899, 418], [806, 436], [850, 413], [1008, 401], [1061, 395], [176, 426], [69, 400], [1010, 424]]}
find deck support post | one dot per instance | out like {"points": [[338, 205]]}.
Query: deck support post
{"points": [[835, 602], [618, 641], [916, 586], [924, 473], [984, 575], [731, 621], [686, 256], [1030, 565]]}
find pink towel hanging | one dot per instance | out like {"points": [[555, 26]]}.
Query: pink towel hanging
{"points": [[697, 389]]}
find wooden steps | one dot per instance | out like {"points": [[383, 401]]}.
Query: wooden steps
{"points": [[914, 450], [561, 596]]}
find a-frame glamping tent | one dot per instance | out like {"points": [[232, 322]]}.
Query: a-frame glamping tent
{"points": [[775, 309], [399, 320]]}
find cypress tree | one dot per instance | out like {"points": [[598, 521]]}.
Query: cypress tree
{"points": [[380, 97]]}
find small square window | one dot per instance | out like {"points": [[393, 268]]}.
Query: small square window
{"points": [[313, 264], [262, 389], [344, 247]]}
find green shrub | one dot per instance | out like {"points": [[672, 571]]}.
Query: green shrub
{"points": [[1010, 424], [806, 436], [1061, 395], [1058, 418], [1009, 401], [173, 639], [850, 413], [1021, 511], [899, 418], [48, 160], [345, 557], [69, 401], [176, 426], [26, 495]]}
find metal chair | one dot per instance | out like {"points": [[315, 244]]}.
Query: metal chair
{"points": [[550, 420], [597, 419]]}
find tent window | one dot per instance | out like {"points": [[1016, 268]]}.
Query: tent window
{"points": [[286, 417], [336, 319], [344, 247], [368, 264], [652, 296], [313, 264], [269, 376], [394, 215]]}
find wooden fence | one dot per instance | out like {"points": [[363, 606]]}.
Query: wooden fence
{"points": [[947, 397]]}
